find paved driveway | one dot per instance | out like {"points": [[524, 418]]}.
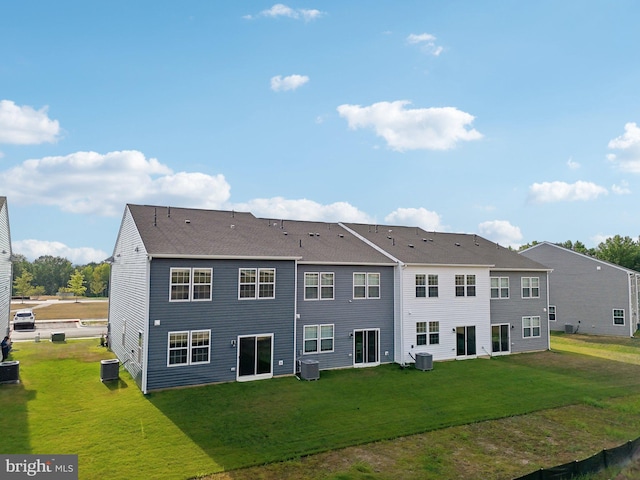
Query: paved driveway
{"points": [[72, 329]]}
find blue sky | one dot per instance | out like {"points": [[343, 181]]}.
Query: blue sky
{"points": [[518, 121]]}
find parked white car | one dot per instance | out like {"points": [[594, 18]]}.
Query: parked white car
{"points": [[24, 319]]}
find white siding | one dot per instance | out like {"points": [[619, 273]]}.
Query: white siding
{"points": [[5, 269], [449, 310], [129, 298]]}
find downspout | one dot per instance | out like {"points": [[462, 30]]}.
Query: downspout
{"points": [[548, 322], [145, 333], [295, 316]]}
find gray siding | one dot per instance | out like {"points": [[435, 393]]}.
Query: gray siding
{"points": [[5, 269], [347, 314], [584, 291], [128, 298], [225, 315], [511, 310]]}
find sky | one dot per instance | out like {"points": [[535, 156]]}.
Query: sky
{"points": [[518, 121]]}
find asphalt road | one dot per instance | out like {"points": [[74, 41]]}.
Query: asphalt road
{"points": [[71, 329]]}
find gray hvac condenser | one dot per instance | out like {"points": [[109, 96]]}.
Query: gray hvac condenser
{"points": [[10, 372], [109, 369], [424, 361], [568, 328], [309, 370]]}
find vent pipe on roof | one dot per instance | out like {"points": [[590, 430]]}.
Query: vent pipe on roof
{"points": [[300, 243], [155, 217]]}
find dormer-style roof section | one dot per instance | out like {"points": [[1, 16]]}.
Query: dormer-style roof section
{"points": [[413, 245], [322, 242], [189, 232]]}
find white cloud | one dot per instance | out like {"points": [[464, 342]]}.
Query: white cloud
{"points": [[281, 10], [628, 146], [33, 249], [572, 165], [291, 82], [302, 209], [92, 183], [416, 217], [547, 192], [25, 125], [427, 43], [622, 189], [412, 129], [502, 232]]}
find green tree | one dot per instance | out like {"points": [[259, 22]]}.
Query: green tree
{"points": [[100, 279], [76, 284], [623, 251], [22, 285], [52, 273]]}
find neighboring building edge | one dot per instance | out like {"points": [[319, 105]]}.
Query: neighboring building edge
{"points": [[6, 268]]}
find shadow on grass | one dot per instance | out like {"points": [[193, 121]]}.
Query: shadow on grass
{"points": [[116, 384], [14, 398]]}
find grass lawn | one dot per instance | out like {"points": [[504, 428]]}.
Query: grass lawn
{"points": [[66, 309], [61, 406]]}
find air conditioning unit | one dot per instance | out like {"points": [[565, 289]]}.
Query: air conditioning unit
{"points": [[10, 372], [568, 328], [309, 369], [57, 336], [109, 369], [424, 361]]}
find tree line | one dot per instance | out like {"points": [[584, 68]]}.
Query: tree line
{"points": [[623, 251], [49, 275]]}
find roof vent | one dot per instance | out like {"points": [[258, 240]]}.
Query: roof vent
{"points": [[232, 226], [457, 244], [187, 221], [286, 233], [341, 235], [311, 234], [411, 245]]}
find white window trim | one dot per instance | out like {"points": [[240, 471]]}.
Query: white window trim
{"points": [[257, 283], [436, 286], [423, 286], [189, 348], [532, 326], [613, 319], [500, 297], [366, 286], [191, 285], [319, 286], [319, 339], [429, 332], [555, 313], [531, 287]]}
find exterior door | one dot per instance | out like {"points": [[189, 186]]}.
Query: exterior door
{"points": [[500, 343], [465, 341], [255, 357], [366, 346]]}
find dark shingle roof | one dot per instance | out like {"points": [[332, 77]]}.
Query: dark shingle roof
{"points": [[413, 245], [170, 231]]}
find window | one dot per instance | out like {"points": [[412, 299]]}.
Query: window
{"points": [[552, 313], [200, 346], [201, 284], [434, 333], [468, 281], [318, 284], [318, 338], [190, 284], [433, 286], [366, 285], [421, 333], [178, 348], [530, 327], [257, 283], [421, 288], [248, 283], [189, 348], [267, 283], [499, 287], [180, 284], [618, 316], [530, 287]]}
